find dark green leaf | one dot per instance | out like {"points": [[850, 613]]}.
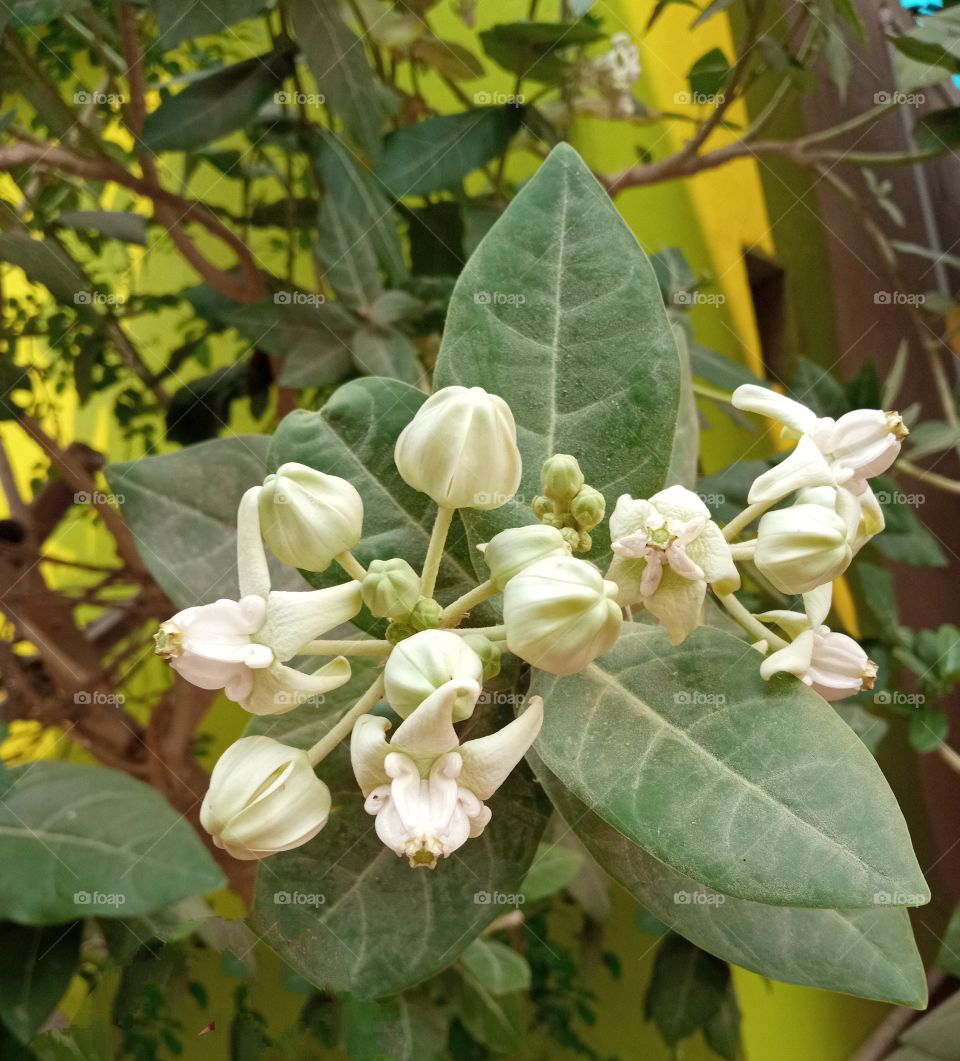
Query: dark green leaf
{"points": [[715, 7], [553, 869], [722, 1030], [116, 224], [938, 131], [928, 728], [39, 965], [498, 968], [536, 51], [13, 381], [687, 988], [818, 389], [74, 1044], [905, 538], [46, 262], [179, 20], [707, 76], [385, 352], [393, 1029]]}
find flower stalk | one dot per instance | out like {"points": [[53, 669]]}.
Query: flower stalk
{"points": [[330, 740]]}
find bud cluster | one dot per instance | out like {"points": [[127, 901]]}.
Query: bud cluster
{"points": [[568, 504]]}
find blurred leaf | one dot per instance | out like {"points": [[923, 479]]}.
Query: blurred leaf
{"points": [[879, 596], [40, 964], [79, 840], [46, 262], [721, 371], [932, 436], [715, 7], [116, 224], [496, 1022], [933, 42], [929, 728], [200, 408], [40, 12], [74, 1044], [553, 868], [948, 957], [905, 538], [870, 729], [13, 380], [285, 213], [818, 389], [687, 988], [217, 104], [660, 6], [341, 72], [708, 74], [448, 58], [536, 50], [385, 352], [178, 21], [938, 131], [934, 1036], [345, 251], [722, 1030], [393, 1029], [436, 239], [394, 307], [436, 154], [497, 967]]}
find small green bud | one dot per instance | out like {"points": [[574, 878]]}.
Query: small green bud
{"points": [[391, 588], [561, 477], [552, 519], [397, 632], [588, 508], [488, 652], [571, 537], [585, 544], [427, 615], [542, 506]]}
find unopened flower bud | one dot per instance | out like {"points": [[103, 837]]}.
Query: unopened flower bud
{"points": [[489, 653], [560, 614], [541, 506], [510, 551], [307, 517], [561, 477], [831, 663], [397, 632], [421, 664], [427, 615], [391, 588], [802, 547], [572, 538], [588, 508], [263, 797], [585, 543], [461, 449]]}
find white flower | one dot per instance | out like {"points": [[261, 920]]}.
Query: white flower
{"points": [[859, 445], [421, 664], [242, 646], [613, 75], [510, 551], [802, 547], [831, 663], [666, 551], [560, 614], [427, 790], [461, 449], [263, 797], [307, 517]]}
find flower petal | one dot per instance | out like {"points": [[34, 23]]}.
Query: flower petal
{"points": [[296, 618], [252, 570], [428, 730], [487, 761], [795, 658], [712, 552], [805, 467], [762, 400], [279, 689], [368, 749], [678, 604]]}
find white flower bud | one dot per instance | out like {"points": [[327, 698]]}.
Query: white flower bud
{"points": [[391, 588], [831, 663], [263, 797], [510, 551], [307, 517], [461, 449], [802, 547], [420, 664], [560, 614]]}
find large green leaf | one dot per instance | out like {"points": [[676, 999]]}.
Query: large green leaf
{"points": [[861, 952], [349, 915], [182, 509], [217, 104], [41, 963], [559, 312], [436, 154], [757, 789], [179, 20], [353, 436], [80, 840]]}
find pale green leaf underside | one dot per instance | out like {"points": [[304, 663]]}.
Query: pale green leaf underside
{"points": [[758, 789]]}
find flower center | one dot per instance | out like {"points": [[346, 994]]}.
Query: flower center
{"points": [[169, 641]]}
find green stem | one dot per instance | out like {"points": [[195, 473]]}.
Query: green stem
{"points": [[346, 648], [494, 633], [743, 550], [453, 613], [933, 478], [705, 390], [438, 538], [344, 727], [351, 565], [749, 622], [745, 518]]}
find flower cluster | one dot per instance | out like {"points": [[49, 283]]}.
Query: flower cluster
{"points": [[427, 788]]}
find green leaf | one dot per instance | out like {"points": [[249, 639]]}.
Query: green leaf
{"points": [[938, 131], [537, 51], [80, 840], [861, 952], [934, 1037], [721, 371], [357, 192], [436, 154], [349, 915], [347, 255], [34, 981], [686, 435], [687, 988], [559, 312], [341, 72], [182, 509], [932, 43], [46, 262], [74, 1044], [553, 869], [497, 967], [708, 74], [450, 59], [758, 789], [115, 224], [178, 21], [13, 379], [393, 1029], [818, 389], [722, 1030], [353, 436], [386, 352], [496, 1022], [932, 436], [715, 7], [929, 728], [217, 104], [905, 538], [948, 957]]}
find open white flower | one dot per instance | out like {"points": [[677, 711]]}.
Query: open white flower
{"points": [[426, 789], [263, 797], [666, 551], [242, 646], [857, 446]]}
